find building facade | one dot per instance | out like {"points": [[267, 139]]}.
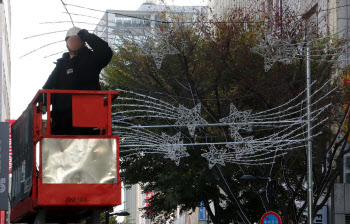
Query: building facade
{"points": [[220, 8], [5, 59], [5, 73], [143, 21], [134, 200]]}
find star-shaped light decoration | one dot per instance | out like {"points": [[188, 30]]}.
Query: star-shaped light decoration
{"points": [[241, 146], [265, 50], [158, 48], [215, 156], [173, 148], [190, 118], [238, 120], [274, 49]]}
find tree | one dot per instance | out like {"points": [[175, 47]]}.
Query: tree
{"points": [[215, 67]]}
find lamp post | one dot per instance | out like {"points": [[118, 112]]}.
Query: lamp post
{"points": [[306, 17]]}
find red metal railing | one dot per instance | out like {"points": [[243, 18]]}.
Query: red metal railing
{"points": [[89, 109]]}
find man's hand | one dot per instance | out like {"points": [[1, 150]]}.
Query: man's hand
{"points": [[82, 34]]}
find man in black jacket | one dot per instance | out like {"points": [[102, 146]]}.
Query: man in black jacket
{"points": [[78, 69]]}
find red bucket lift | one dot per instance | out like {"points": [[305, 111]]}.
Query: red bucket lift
{"points": [[67, 176]]}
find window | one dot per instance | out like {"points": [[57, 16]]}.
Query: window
{"points": [[347, 219]]}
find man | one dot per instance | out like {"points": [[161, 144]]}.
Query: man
{"points": [[78, 69]]}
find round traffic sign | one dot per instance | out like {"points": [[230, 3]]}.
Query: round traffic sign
{"points": [[271, 218]]}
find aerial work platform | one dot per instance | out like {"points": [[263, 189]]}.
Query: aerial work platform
{"points": [[67, 176]]}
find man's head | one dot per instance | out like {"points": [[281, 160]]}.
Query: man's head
{"points": [[74, 43]]}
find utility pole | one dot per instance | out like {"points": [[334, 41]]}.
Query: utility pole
{"points": [[306, 17], [309, 142]]}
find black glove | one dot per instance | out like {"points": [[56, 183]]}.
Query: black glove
{"points": [[82, 34]]}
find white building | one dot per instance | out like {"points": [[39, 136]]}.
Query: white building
{"points": [[5, 67], [143, 20], [329, 14], [134, 200], [218, 9]]}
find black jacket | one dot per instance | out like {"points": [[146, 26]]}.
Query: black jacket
{"points": [[79, 73]]}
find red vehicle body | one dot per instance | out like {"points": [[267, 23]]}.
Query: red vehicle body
{"points": [[69, 201]]}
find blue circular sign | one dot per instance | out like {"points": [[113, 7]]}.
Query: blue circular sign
{"points": [[271, 218]]}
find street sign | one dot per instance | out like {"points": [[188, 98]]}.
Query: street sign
{"points": [[321, 216], [202, 212], [271, 218], [10, 145]]}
